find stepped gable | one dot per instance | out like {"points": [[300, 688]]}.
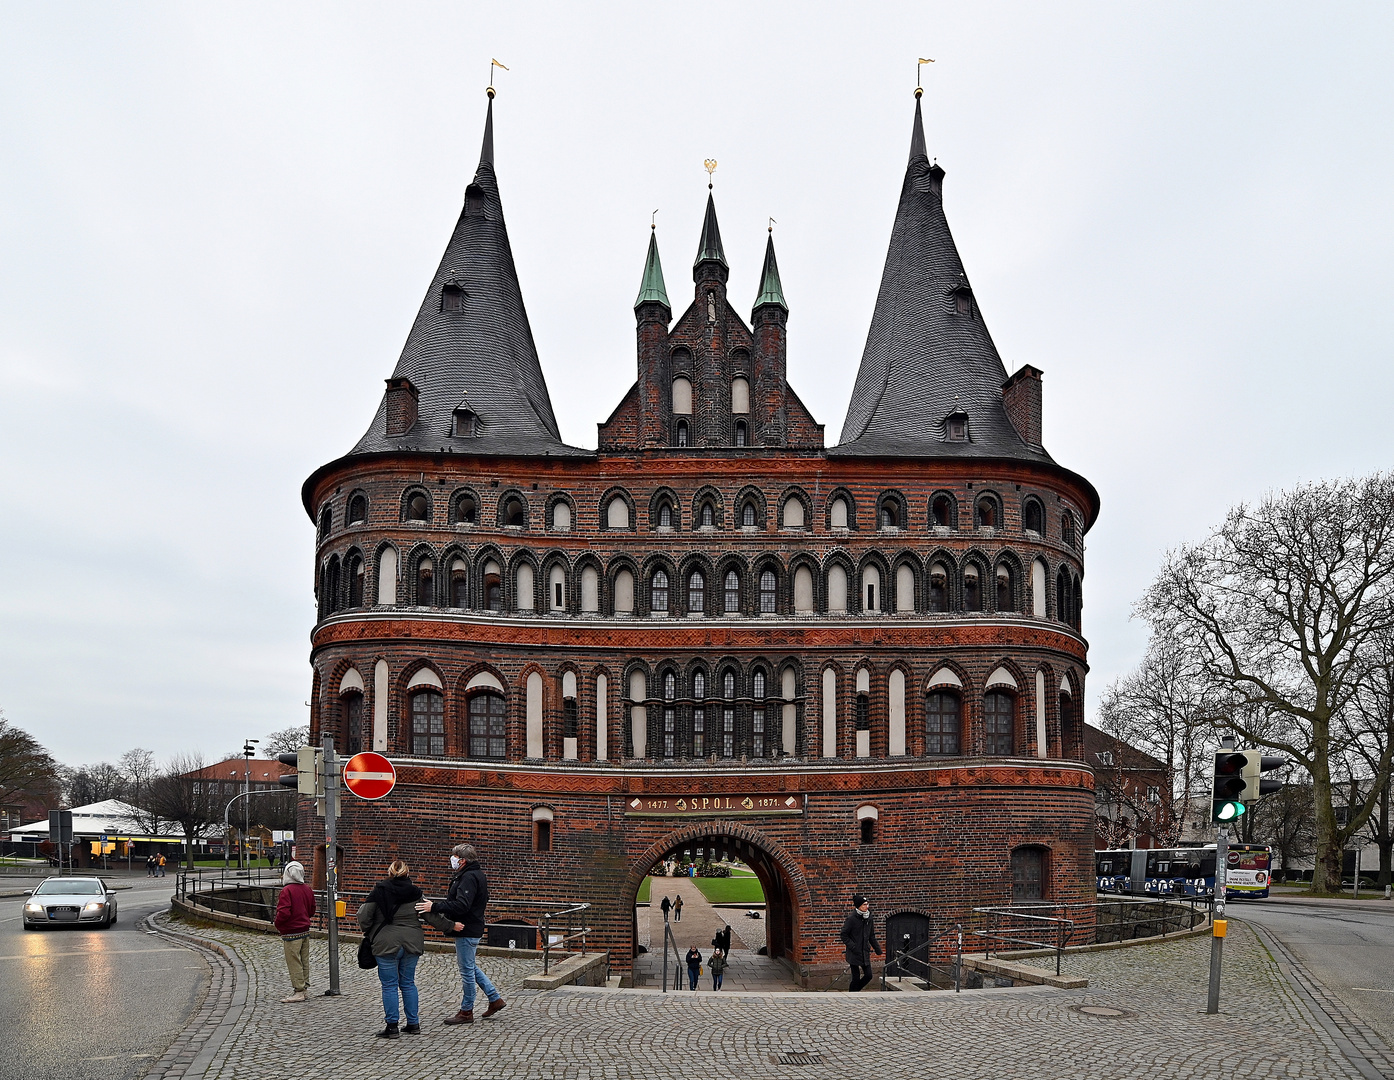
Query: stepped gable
{"points": [[471, 348], [928, 354]]}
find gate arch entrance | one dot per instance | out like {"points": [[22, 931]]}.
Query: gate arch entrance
{"points": [[780, 877]]}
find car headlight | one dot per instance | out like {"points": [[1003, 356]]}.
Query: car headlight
{"points": [[35, 909], [95, 905]]}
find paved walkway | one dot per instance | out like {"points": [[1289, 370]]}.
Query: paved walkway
{"points": [[1267, 1027], [700, 921]]}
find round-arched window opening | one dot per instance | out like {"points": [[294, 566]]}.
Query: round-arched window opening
{"points": [[357, 510], [418, 508], [769, 594], [987, 513], [732, 599], [890, 514], [938, 588], [682, 433], [972, 589], [942, 510], [665, 516], [658, 600], [696, 594], [515, 514], [708, 518], [740, 432], [748, 515], [1033, 517], [488, 730], [1005, 600], [466, 509]]}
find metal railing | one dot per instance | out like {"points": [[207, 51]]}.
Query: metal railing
{"points": [[1006, 925], [905, 957], [574, 929]]}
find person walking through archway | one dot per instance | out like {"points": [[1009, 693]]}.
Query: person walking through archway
{"points": [[677, 909], [694, 967], [667, 906], [858, 936]]}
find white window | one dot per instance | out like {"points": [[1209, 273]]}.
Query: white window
{"points": [[682, 396], [387, 576], [871, 588], [740, 396], [904, 588], [525, 588], [793, 514], [556, 588], [561, 517], [803, 590], [590, 589], [617, 514], [837, 588], [1105, 757], [839, 514], [624, 592]]}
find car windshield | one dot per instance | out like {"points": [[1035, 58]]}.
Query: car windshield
{"points": [[71, 886]]}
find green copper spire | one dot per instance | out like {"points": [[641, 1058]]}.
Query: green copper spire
{"points": [[651, 289], [710, 250], [771, 291]]}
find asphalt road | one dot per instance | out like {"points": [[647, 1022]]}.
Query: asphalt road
{"points": [[88, 1004], [1348, 946]]}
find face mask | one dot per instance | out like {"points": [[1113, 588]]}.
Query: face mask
{"points": [[864, 914], [454, 862]]}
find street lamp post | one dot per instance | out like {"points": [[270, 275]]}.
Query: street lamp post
{"points": [[248, 749]]}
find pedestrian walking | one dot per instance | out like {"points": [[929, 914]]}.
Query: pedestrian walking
{"points": [[149, 866], [388, 918], [726, 941], [718, 966], [694, 967], [859, 938], [161, 864], [677, 909], [295, 909], [666, 906], [461, 916]]}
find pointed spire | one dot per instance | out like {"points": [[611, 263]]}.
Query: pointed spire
{"points": [[710, 250], [771, 291], [651, 288], [486, 151], [917, 144]]}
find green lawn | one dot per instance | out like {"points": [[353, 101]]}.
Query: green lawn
{"points": [[643, 897], [743, 889]]}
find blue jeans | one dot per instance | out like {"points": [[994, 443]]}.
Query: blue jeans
{"points": [[398, 972], [692, 973], [470, 975]]}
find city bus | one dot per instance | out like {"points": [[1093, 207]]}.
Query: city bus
{"points": [[1184, 871]]}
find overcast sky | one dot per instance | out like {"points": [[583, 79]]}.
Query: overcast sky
{"points": [[216, 225]]}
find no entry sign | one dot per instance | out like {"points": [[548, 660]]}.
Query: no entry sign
{"points": [[369, 776]]}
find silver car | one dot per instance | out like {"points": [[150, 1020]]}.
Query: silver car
{"points": [[70, 900]]}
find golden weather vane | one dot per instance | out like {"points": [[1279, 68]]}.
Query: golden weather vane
{"points": [[919, 90], [710, 166], [493, 64], [773, 223]]}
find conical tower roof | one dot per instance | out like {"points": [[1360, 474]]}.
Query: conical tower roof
{"points": [[651, 288], [471, 341], [771, 291], [709, 249], [928, 353]]}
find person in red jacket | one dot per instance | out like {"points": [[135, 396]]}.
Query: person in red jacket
{"points": [[295, 909]]}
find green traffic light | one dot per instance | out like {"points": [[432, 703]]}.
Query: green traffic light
{"points": [[1230, 811]]}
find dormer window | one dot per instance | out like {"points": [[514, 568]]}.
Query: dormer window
{"points": [[452, 299], [963, 300], [956, 428], [466, 423], [474, 201]]}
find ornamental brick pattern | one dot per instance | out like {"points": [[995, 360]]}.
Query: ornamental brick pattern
{"points": [[712, 605]]}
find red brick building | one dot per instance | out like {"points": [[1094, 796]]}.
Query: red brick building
{"points": [[858, 667]]}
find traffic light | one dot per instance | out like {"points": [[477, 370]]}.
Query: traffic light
{"points": [[1255, 787], [1228, 785], [307, 779]]}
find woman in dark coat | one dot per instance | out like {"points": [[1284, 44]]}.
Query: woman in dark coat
{"points": [[694, 967], [389, 917], [859, 937]]}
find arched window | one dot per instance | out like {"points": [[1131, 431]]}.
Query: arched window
{"points": [[707, 516], [793, 513], [387, 577], [329, 587], [524, 587], [740, 395], [665, 515], [871, 589], [1063, 602], [1005, 592], [728, 715], [1067, 528], [351, 707], [757, 715], [837, 514], [418, 507], [769, 594], [617, 514], [561, 517], [731, 600], [326, 521], [890, 513], [590, 589], [972, 589], [696, 594], [459, 584], [863, 712], [998, 714], [682, 396], [904, 588], [488, 726], [493, 586], [740, 433], [515, 513], [556, 588], [757, 685], [1033, 517], [1067, 733], [357, 510], [425, 583], [941, 510], [837, 588], [682, 433], [699, 714], [803, 591], [466, 509], [748, 515], [1028, 874], [624, 593], [355, 570], [938, 588], [428, 723], [942, 723], [658, 594], [987, 512]]}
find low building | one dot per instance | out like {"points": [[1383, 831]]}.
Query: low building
{"points": [[112, 828]]}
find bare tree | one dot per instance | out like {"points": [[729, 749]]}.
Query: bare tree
{"points": [[1282, 610], [1287, 822], [25, 766], [94, 783], [286, 741], [1159, 710], [176, 794]]}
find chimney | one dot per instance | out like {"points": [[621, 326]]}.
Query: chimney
{"points": [[401, 406], [1021, 394]]}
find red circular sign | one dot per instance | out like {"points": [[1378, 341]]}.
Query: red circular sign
{"points": [[369, 776]]}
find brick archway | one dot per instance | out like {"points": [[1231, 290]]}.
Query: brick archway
{"points": [[780, 875]]}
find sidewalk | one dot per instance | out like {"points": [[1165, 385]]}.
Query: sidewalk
{"points": [[1150, 999], [699, 924]]}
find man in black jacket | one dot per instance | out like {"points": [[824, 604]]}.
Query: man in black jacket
{"points": [[461, 916], [859, 937]]}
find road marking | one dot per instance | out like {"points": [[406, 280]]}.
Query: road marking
{"points": [[1372, 990], [116, 1057], [88, 952]]}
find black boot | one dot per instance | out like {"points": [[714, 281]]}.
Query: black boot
{"points": [[412, 1029], [389, 1032]]}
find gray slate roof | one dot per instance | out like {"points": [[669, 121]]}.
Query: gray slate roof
{"points": [[482, 357], [923, 361]]}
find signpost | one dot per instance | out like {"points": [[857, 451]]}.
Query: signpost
{"points": [[369, 776], [331, 860]]}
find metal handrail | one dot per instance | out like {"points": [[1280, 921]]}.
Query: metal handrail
{"points": [[1063, 929], [903, 955]]}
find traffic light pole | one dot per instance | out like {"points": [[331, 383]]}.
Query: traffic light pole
{"points": [[1219, 923], [331, 861]]}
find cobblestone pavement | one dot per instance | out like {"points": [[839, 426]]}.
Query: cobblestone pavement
{"points": [[1266, 1029]]}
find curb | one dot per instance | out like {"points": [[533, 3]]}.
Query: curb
{"points": [[194, 1050]]}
